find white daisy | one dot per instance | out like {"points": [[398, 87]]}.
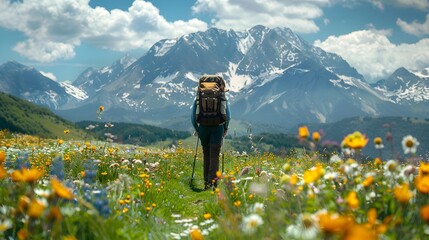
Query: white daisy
{"points": [[410, 144], [251, 223]]}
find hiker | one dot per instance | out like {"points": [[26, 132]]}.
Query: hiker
{"points": [[210, 118]]}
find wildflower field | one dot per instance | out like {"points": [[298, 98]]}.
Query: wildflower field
{"points": [[71, 189]]}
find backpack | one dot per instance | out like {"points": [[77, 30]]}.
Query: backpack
{"points": [[211, 101]]}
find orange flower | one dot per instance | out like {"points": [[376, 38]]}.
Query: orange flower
{"points": [[101, 108], [35, 209], [377, 161], [207, 216], [2, 157], [3, 172], [378, 141], [368, 181], [55, 214], [424, 213], [60, 190], [422, 183], [372, 216], [303, 132], [26, 175], [196, 234], [316, 136], [333, 223], [352, 200], [359, 232], [403, 193]]}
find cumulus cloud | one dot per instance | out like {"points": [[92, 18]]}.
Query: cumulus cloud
{"points": [[374, 56], [243, 14], [417, 4], [414, 28], [55, 27]]}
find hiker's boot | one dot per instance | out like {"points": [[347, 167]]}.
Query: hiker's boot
{"points": [[206, 154], [214, 163]]}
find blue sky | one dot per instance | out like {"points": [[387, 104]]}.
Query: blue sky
{"points": [[64, 37]]}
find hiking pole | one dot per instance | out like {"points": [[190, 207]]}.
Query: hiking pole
{"points": [[195, 159]]}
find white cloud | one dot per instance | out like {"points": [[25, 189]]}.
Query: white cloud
{"points": [[374, 56], [55, 27], [414, 28], [243, 14], [49, 75]]}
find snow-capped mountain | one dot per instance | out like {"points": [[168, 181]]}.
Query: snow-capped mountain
{"points": [[93, 79], [273, 75], [28, 83], [406, 87]]}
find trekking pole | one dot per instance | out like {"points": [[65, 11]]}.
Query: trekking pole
{"points": [[195, 158], [223, 154]]}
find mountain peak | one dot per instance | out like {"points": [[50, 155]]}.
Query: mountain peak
{"points": [[14, 66]]}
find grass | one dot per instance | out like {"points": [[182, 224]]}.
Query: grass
{"points": [[114, 191]]}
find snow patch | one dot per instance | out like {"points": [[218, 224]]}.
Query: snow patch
{"points": [[270, 100], [125, 95], [137, 86], [166, 46], [237, 81], [74, 91], [244, 44], [49, 75], [319, 116], [106, 70], [166, 79], [191, 76]]}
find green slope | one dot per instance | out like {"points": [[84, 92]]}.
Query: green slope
{"points": [[137, 134], [20, 116]]}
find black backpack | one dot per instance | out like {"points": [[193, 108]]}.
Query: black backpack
{"points": [[211, 101]]}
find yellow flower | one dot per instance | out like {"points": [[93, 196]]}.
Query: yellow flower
{"points": [[313, 174], [356, 140], [424, 168], [69, 237], [303, 132], [23, 203], [2, 157], [237, 203], [35, 209], [377, 161], [424, 213], [26, 175], [196, 234], [66, 131], [60, 190], [316, 136], [403, 193], [104, 173], [368, 181], [207, 216], [352, 200], [293, 179], [422, 183], [7, 145], [101, 108], [125, 210], [60, 141]]}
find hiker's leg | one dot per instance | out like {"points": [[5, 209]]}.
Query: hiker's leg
{"points": [[206, 153], [204, 135], [214, 163], [215, 146]]}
